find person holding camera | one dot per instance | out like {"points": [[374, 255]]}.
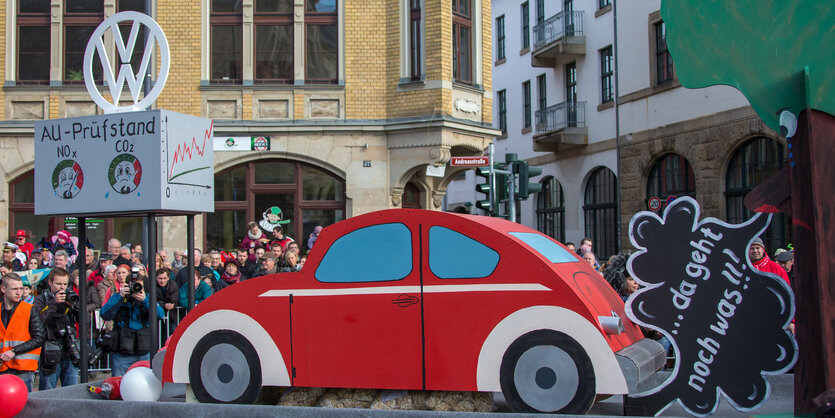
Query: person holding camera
{"points": [[58, 309], [21, 332], [129, 309]]}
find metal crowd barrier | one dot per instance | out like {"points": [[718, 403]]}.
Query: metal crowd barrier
{"points": [[166, 327]]}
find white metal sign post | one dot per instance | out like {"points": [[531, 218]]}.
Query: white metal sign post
{"points": [[129, 161]]}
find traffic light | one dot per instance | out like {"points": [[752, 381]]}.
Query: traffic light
{"points": [[487, 204], [525, 173]]}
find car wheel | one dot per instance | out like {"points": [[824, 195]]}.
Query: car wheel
{"points": [[547, 371], [225, 368]]}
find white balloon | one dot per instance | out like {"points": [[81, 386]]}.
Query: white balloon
{"points": [[140, 384]]}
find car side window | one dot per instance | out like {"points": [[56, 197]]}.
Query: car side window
{"points": [[375, 253], [545, 246], [453, 255]]}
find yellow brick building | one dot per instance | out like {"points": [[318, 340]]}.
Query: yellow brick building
{"points": [[357, 98]]}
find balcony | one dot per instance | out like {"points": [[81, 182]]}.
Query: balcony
{"points": [[561, 126], [559, 36]]}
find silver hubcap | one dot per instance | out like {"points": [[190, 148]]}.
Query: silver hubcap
{"points": [[546, 378], [224, 372]]}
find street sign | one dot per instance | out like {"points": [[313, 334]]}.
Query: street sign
{"points": [[654, 204], [481, 161], [670, 199]]}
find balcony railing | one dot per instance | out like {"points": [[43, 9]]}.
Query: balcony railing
{"points": [[556, 27], [561, 116]]}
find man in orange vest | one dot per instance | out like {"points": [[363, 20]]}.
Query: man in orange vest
{"points": [[21, 332]]}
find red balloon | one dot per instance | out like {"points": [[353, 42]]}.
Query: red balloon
{"points": [[140, 363], [13, 393]]}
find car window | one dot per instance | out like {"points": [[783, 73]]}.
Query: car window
{"points": [[375, 253], [549, 249], [453, 255]]}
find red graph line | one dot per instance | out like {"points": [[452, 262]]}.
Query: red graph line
{"points": [[186, 149]]}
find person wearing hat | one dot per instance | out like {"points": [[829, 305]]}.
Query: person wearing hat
{"points": [[269, 265], [27, 297], [759, 259], [9, 256], [20, 238], [231, 274], [786, 260], [105, 259]]}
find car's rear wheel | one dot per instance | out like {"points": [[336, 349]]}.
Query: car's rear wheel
{"points": [[225, 368], [547, 371]]}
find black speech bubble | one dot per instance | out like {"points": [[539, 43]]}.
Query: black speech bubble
{"points": [[726, 320]]}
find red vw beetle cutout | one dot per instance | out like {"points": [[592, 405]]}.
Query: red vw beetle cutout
{"points": [[419, 300]]}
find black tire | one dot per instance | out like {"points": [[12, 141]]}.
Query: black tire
{"points": [[225, 368], [547, 371]]}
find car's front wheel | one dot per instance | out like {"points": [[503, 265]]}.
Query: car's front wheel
{"points": [[225, 368], [547, 371]]}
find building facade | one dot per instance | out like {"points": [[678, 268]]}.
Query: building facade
{"points": [[554, 101], [355, 98]]}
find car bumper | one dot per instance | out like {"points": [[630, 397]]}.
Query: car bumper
{"points": [[640, 361]]}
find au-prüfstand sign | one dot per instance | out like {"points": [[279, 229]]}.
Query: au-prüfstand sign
{"points": [[152, 161]]}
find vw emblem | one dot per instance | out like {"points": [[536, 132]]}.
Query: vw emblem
{"points": [[134, 77]]}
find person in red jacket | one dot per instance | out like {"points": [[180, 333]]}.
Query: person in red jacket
{"points": [[759, 258], [20, 238]]}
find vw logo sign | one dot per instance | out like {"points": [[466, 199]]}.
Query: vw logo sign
{"points": [[134, 77]]}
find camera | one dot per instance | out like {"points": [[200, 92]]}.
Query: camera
{"points": [[135, 287], [134, 272], [101, 346], [71, 343], [72, 297]]}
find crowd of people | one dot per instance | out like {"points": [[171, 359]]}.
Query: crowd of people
{"points": [[41, 306]]}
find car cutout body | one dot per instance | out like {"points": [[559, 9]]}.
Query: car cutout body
{"points": [[413, 299]]}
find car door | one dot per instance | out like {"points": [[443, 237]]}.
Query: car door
{"points": [[360, 327]]}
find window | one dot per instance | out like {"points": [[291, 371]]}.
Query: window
{"points": [[571, 93], [550, 209], [227, 41], [540, 11], [751, 164], [600, 210], [415, 39], [603, 3], [606, 75], [462, 38], [273, 41], [500, 38], [663, 59], [526, 103], [349, 257], [568, 12], [671, 175], [322, 47], [453, 255], [542, 92], [244, 192], [526, 26], [81, 17], [545, 247], [33, 42], [502, 99]]}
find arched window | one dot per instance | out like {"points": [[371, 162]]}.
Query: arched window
{"points": [[411, 196], [671, 175], [600, 209], [306, 195], [754, 162], [550, 209]]}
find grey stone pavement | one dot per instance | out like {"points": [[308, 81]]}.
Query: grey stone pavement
{"points": [[75, 401]]}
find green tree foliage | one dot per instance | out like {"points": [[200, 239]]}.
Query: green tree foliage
{"points": [[761, 47]]}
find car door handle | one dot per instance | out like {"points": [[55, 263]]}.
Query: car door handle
{"points": [[404, 301]]}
